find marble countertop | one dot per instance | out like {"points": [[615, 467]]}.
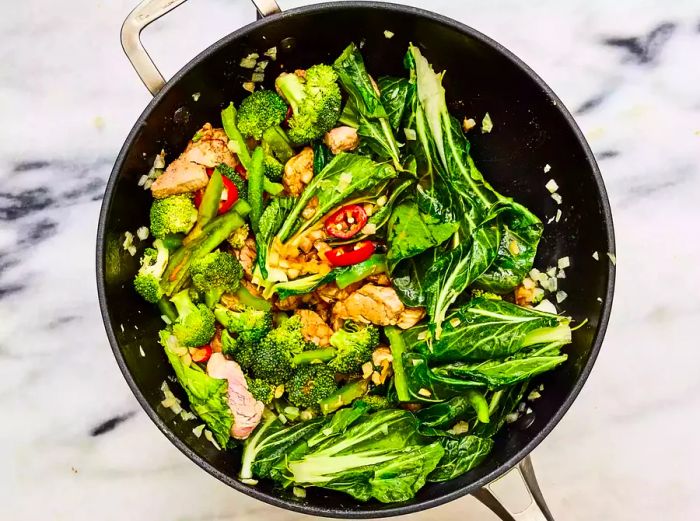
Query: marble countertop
{"points": [[73, 438]]}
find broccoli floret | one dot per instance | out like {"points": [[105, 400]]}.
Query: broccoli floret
{"points": [[261, 390], [195, 322], [250, 324], [310, 384], [238, 237], [275, 143], [216, 273], [153, 264], [354, 346], [377, 402], [236, 179], [273, 358], [174, 214], [259, 111], [315, 101], [237, 349], [273, 168]]}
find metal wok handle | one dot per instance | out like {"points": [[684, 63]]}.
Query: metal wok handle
{"points": [[511, 502], [145, 13]]}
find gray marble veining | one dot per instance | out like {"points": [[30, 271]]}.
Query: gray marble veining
{"points": [[73, 442]]}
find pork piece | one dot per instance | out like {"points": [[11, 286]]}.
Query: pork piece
{"points": [[377, 305], [314, 328], [180, 177], [247, 255], [188, 173], [331, 293], [341, 139], [246, 410], [298, 172]]}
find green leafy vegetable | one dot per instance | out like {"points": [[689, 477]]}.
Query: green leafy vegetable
{"points": [[394, 94], [461, 455], [270, 222]]}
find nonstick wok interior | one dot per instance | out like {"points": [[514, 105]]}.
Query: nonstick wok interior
{"points": [[531, 130]]}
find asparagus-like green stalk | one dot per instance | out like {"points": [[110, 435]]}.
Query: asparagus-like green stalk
{"points": [[344, 396], [397, 350]]}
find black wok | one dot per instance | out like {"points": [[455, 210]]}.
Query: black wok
{"points": [[532, 129]]}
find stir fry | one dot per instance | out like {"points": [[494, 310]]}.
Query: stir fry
{"points": [[347, 300]]}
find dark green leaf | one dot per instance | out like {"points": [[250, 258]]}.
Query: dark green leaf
{"points": [[461, 455], [272, 218], [503, 402], [394, 93]]}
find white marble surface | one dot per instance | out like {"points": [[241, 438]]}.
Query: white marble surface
{"points": [[68, 97]]}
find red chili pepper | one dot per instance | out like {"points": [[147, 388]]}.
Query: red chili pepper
{"points": [[231, 191], [231, 195], [346, 222], [351, 253], [201, 354], [241, 171], [209, 171]]}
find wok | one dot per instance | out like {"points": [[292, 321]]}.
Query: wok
{"points": [[532, 129]]}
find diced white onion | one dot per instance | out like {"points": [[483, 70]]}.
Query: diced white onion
{"points": [[547, 168], [128, 240], [552, 272], [132, 250], [558, 215], [299, 492], [557, 198], [596, 256], [563, 263], [166, 319], [197, 431], [142, 233], [196, 96], [612, 258], [209, 436], [486, 124], [271, 53], [561, 296], [410, 134], [552, 186], [546, 307], [561, 274], [534, 395], [388, 34], [143, 179]]}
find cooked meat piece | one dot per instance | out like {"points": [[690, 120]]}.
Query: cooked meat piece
{"points": [[341, 139], [310, 209], [188, 172], [180, 177], [289, 303], [298, 172], [380, 279], [323, 309], [216, 342], [314, 328], [379, 305], [410, 317], [246, 410], [210, 149], [247, 255], [371, 304], [331, 292]]}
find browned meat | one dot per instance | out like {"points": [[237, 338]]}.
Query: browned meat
{"points": [[246, 410], [342, 139], [180, 177], [380, 279], [188, 172], [298, 172], [377, 305], [247, 255], [314, 328], [331, 292], [289, 303]]}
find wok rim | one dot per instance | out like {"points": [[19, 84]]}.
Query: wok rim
{"points": [[381, 510]]}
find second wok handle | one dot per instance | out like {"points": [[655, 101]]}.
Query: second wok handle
{"points": [[533, 509], [147, 12]]}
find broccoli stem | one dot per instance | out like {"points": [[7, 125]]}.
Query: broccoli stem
{"points": [[314, 355], [292, 90], [277, 142], [560, 334], [246, 298], [480, 405], [209, 206], [256, 183], [271, 187], [237, 143], [167, 309], [344, 396], [213, 296], [173, 241], [213, 234], [398, 347], [241, 207]]}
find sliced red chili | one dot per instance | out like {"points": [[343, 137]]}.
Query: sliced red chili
{"points": [[350, 254], [346, 222], [229, 197], [241, 170], [209, 171], [201, 354]]}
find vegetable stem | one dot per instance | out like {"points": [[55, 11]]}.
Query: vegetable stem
{"points": [[246, 298], [344, 396], [481, 407], [397, 350], [209, 206], [256, 183], [314, 356]]}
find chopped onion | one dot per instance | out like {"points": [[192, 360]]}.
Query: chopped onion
{"points": [[563, 263], [209, 436], [599, 299], [461, 427], [535, 274], [558, 215], [249, 86], [141, 351], [596, 256], [468, 124], [369, 229], [561, 296], [197, 431], [128, 240], [196, 96], [249, 481], [132, 250], [261, 66], [552, 272], [486, 124], [388, 34], [552, 186], [424, 392], [547, 168], [299, 492], [249, 61], [512, 417], [557, 198], [546, 307], [612, 258], [142, 233], [410, 134], [561, 274], [381, 201], [187, 415], [534, 395], [257, 77], [166, 319], [271, 53], [142, 180]]}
